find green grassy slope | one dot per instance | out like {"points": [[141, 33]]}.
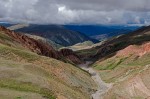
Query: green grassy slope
{"points": [[113, 68], [26, 75]]}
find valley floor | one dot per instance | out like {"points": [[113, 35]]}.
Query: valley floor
{"points": [[102, 86]]}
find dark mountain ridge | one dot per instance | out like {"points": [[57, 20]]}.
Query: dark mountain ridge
{"points": [[57, 33], [102, 31]]}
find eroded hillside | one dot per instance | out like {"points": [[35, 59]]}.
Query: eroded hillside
{"points": [[40, 47]]}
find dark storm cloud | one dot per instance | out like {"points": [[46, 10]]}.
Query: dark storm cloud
{"points": [[76, 11]]}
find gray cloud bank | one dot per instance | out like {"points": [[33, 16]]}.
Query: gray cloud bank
{"points": [[76, 11]]}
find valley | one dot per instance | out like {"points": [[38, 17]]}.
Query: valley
{"points": [[30, 67], [74, 49]]}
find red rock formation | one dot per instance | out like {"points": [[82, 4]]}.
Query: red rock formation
{"points": [[31, 44], [136, 50]]}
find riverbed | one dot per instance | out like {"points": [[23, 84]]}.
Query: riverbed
{"points": [[102, 86]]}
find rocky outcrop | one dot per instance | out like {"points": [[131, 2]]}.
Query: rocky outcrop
{"points": [[71, 56]]}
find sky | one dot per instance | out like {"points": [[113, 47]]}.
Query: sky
{"points": [[108, 12]]}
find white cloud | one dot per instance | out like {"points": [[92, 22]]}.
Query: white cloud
{"points": [[61, 8]]}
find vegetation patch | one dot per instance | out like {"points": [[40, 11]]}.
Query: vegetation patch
{"points": [[4, 37], [26, 87], [110, 64], [5, 50]]}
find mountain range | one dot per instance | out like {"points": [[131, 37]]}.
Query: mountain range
{"points": [[56, 33], [102, 32]]}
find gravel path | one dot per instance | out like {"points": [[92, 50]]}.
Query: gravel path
{"points": [[102, 86]]}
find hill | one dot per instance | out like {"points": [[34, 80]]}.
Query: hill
{"points": [[25, 74]]}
